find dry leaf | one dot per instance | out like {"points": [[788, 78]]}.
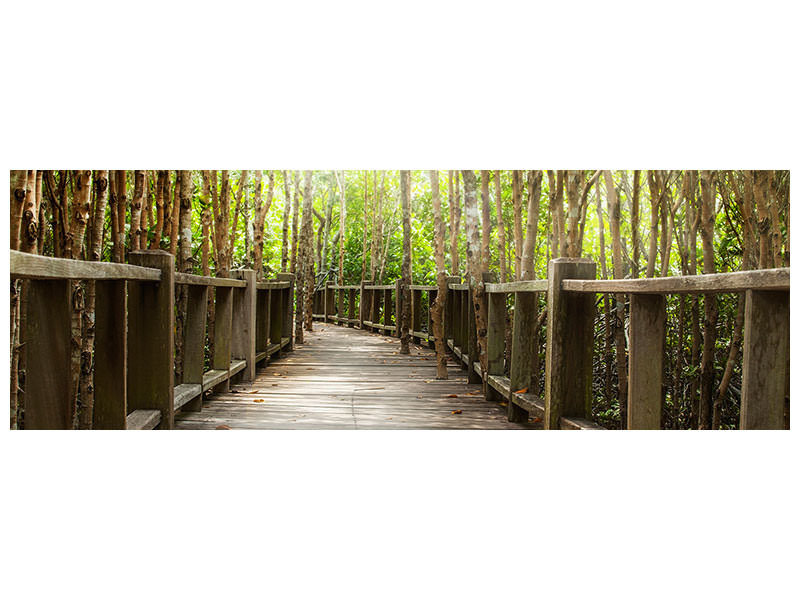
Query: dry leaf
{"points": [[522, 391], [221, 427], [256, 391], [537, 420], [258, 400], [455, 412], [503, 403], [451, 396]]}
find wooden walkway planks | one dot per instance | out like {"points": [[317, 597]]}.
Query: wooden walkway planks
{"points": [[346, 378]]}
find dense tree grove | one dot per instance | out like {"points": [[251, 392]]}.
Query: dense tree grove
{"points": [[349, 226]]}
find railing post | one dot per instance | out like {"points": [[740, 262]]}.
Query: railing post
{"points": [[472, 340], [568, 363], [375, 299], [46, 348], [448, 310], [416, 315], [275, 329], [151, 332], [398, 309], [223, 315], [431, 300], [287, 304], [765, 360], [194, 341], [387, 311], [458, 325], [243, 330], [363, 305], [351, 308], [111, 355], [495, 342], [263, 321], [340, 312], [646, 360], [523, 346]]}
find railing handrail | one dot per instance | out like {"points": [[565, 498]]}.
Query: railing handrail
{"points": [[24, 265], [191, 279]]}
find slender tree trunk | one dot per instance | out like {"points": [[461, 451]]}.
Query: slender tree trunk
{"points": [[260, 220], [501, 228], [654, 204], [619, 313], [405, 273], [474, 263], [635, 224], [29, 223], [19, 182], [486, 223], [760, 183], [607, 352], [377, 230], [516, 198], [222, 219], [364, 232], [137, 202], [205, 200], [532, 228], [287, 209], [295, 218], [241, 191], [437, 307], [306, 241], [162, 189], [184, 202], [557, 211], [174, 229], [573, 216], [709, 334], [342, 223], [455, 223]]}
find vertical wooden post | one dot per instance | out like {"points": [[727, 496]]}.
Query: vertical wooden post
{"points": [[351, 307], [110, 355], [449, 311], [47, 340], [523, 346], [416, 315], [329, 302], [398, 309], [340, 312], [194, 341], [457, 320], [495, 343], [243, 330], [363, 305], [263, 318], [646, 360], [387, 311], [223, 307], [765, 360], [472, 340], [151, 333], [275, 331], [287, 305], [431, 299], [568, 363]]}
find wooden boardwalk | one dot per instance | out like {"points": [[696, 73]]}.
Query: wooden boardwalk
{"points": [[344, 378]]}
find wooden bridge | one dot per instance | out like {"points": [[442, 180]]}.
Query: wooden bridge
{"points": [[350, 374]]}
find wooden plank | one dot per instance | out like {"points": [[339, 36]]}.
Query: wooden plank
{"points": [[262, 319], [416, 315], [189, 279], [222, 330], [713, 283], [151, 329], [458, 286], [46, 340], [110, 355], [243, 327], [185, 392], [262, 355], [524, 345], [213, 378], [275, 321], [765, 360], [495, 342], [424, 288], [578, 423], [532, 285], [472, 340], [237, 366], [33, 266], [272, 285], [287, 305], [194, 341], [568, 362], [351, 308], [143, 419], [646, 360]]}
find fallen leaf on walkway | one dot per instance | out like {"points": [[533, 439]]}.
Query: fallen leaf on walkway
{"points": [[258, 400], [274, 385], [427, 381], [256, 391], [522, 391], [451, 396], [537, 420], [503, 403], [312, 368], [221, 427], [388, 418], [455, 412]]}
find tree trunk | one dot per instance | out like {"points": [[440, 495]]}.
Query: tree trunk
{"points": [[474, 264], [260, 220], [377, 230], [295, 218], [486, 223], [760, 183], [241, 191], [516, 198], [437, 307], [654, 204], [711, 311], [174, 229], [287, 209], [607, 352], [405, 288], [19, 182], [619, 313], [573, 216], [455, 222], [29, 223], [342, 223], [532, 227], [306, 246], [205, 200], [635, 224], [136, 210], [501, 228], [364, 232]]}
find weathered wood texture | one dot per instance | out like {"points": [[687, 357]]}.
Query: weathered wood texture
{"points": [[765, 360], [764, 279], [189, 279], [345, 378], [523, 346], [151, 330], [46, 348], [34, 266], [194, 341], [243, 335], [110, 355], [570, 322], [646, 360]]}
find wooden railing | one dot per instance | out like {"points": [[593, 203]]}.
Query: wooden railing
{"points": [[134, 383], [570, 303]]}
